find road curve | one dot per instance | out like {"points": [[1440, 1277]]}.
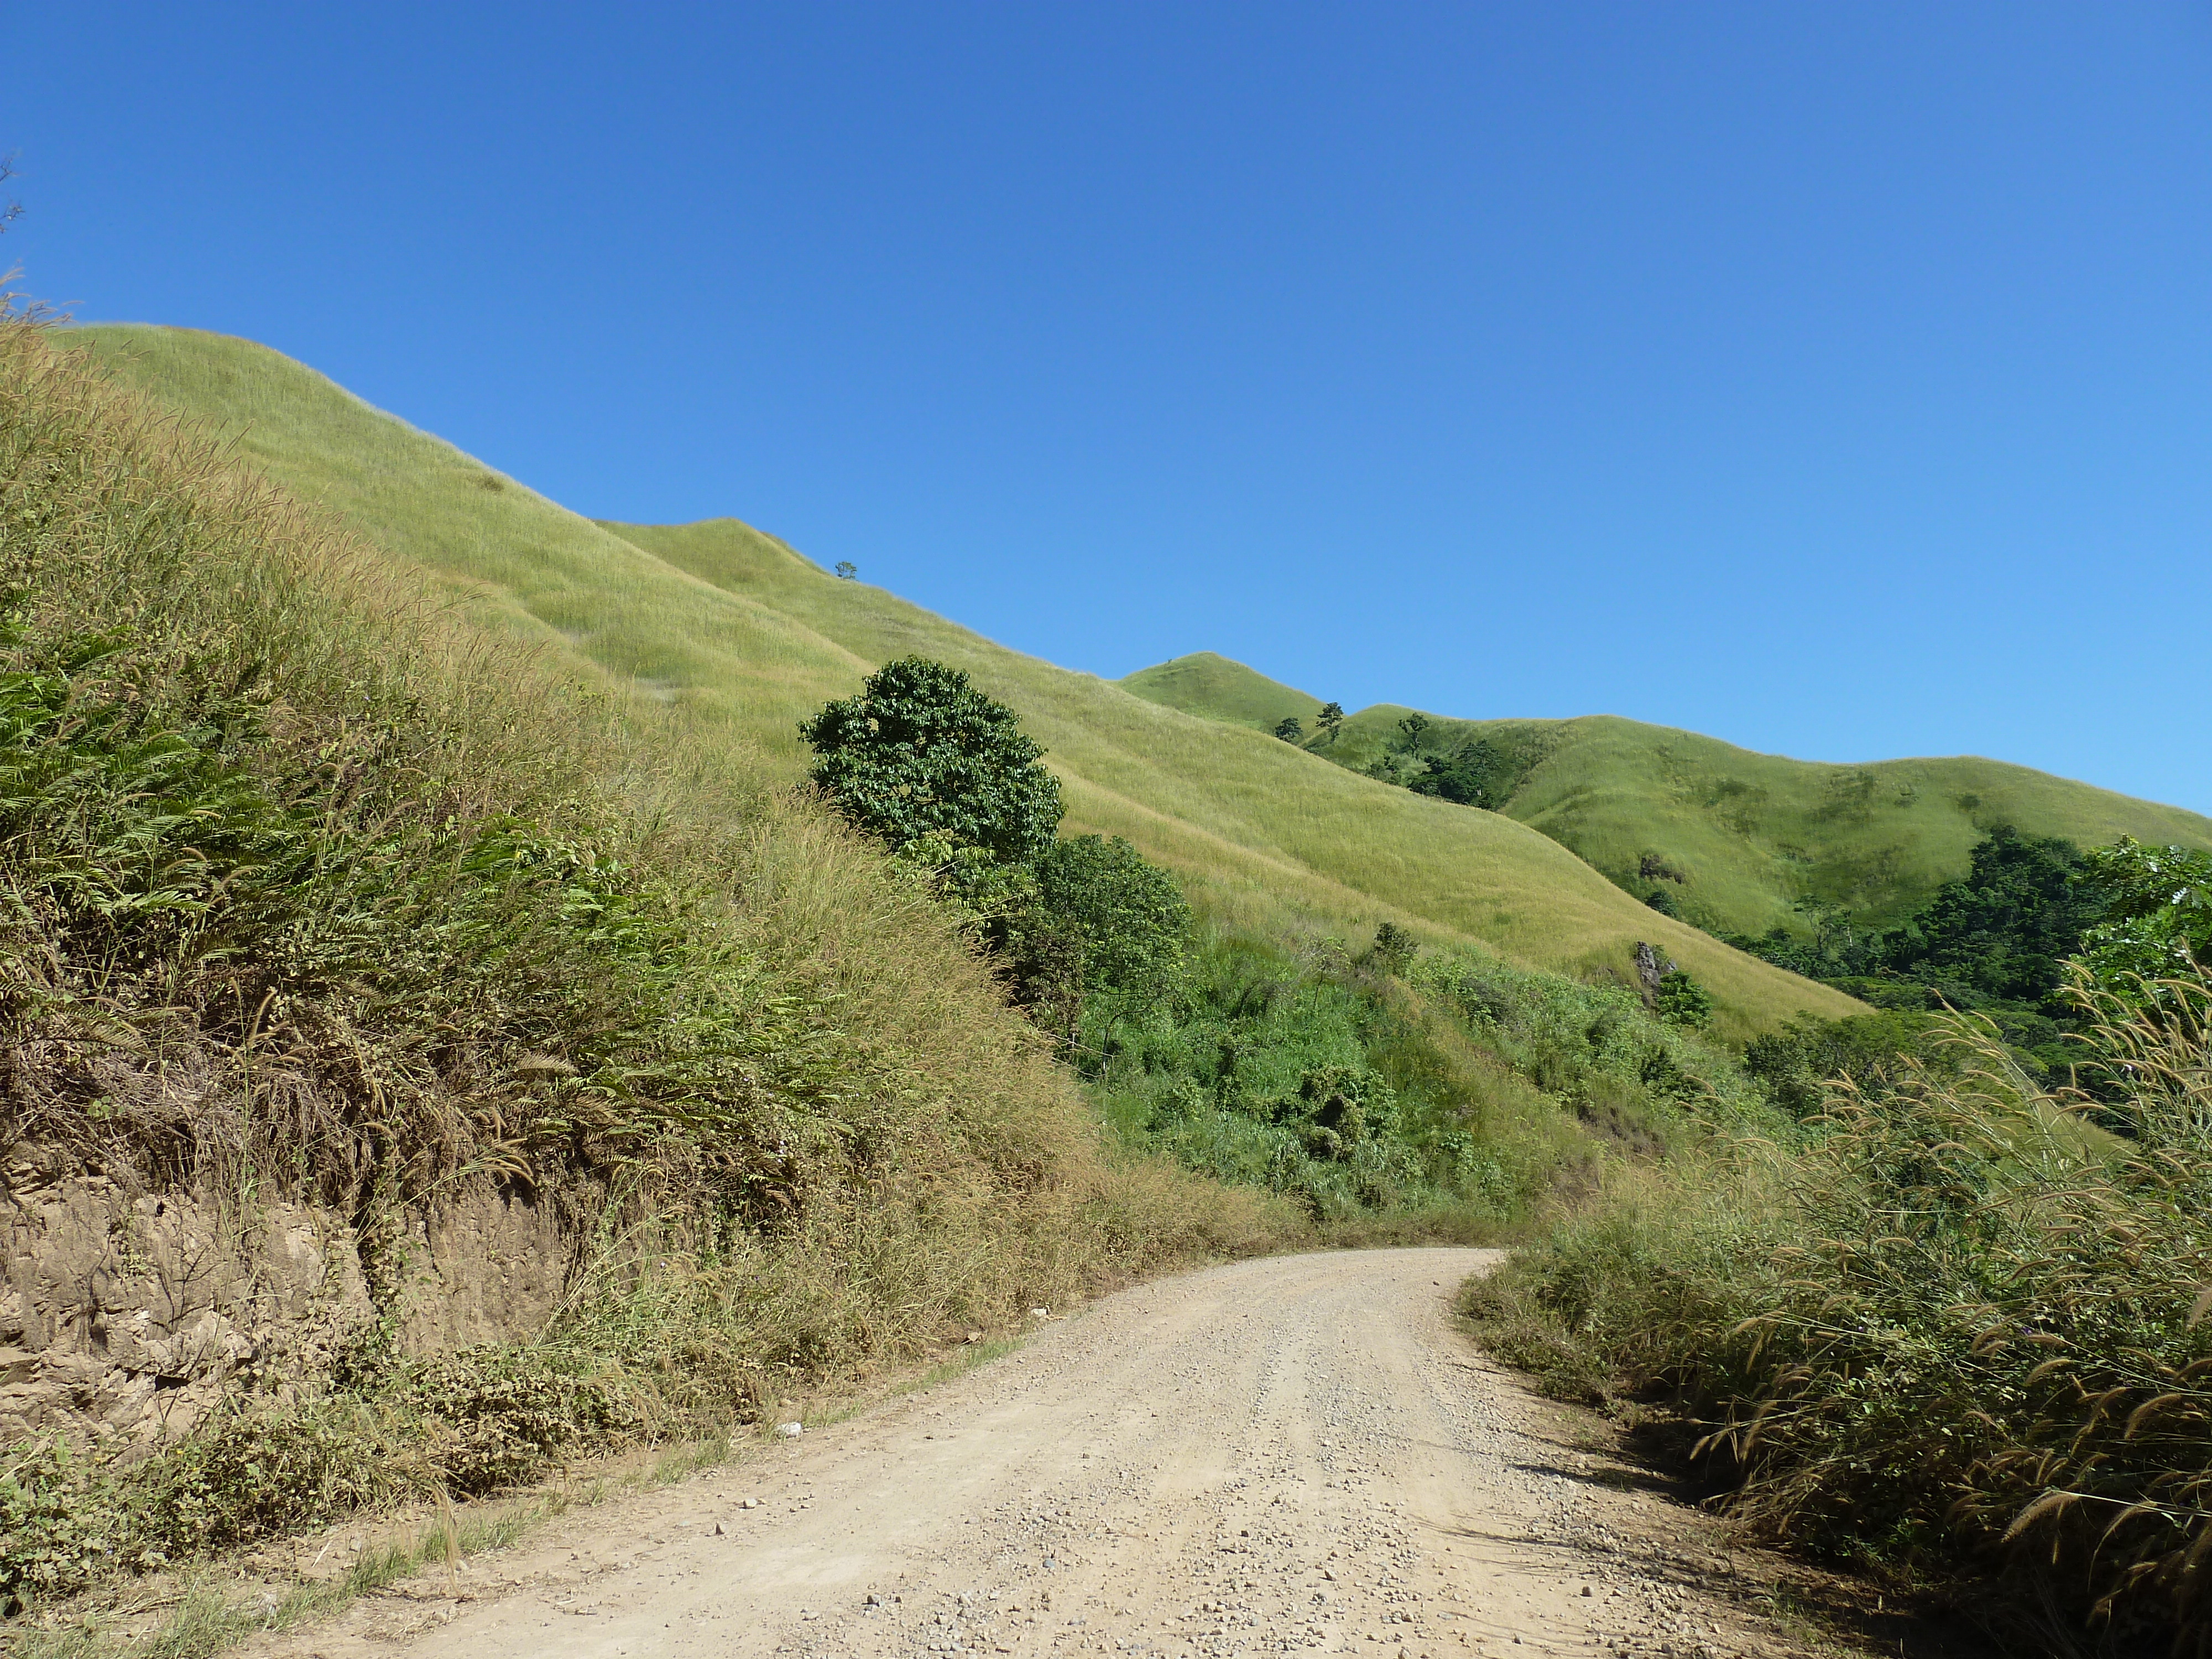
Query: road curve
{"points": [[1292, 1454]]}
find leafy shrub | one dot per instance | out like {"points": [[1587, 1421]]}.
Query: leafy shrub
{"points": [[1127, 914], [1394, 949], [62, 1523], [1954, 1330], [1680, 1001], [2157, 917], [922, 752]]}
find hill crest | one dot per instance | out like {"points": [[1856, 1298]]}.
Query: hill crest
{"points": [[1741, 841]]}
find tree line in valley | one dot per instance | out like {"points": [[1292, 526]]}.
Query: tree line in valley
{"points": [[1477, 772], [2033, 917]]}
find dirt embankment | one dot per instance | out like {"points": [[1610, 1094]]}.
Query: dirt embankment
{"points": [[127, 1312]]}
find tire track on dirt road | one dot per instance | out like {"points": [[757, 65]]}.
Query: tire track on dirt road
{"points": [[1292, 1454]]}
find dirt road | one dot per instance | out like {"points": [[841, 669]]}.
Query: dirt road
{"points": [[1284, 1456]]}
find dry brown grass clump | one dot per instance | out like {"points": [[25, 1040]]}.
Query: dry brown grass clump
{"points": [[1959, 1330]]}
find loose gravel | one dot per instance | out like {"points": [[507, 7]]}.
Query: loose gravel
{"points": [[1299, 1455]]}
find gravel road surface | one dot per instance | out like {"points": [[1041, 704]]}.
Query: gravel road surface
{"points": [[1289, 1456]]}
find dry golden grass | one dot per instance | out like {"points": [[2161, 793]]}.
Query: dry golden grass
{"points": [[1955, 1331]]}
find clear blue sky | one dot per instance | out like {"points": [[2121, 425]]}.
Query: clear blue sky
{"points": [[1837, 380]]}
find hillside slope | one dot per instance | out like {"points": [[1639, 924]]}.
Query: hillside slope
{"points": [[1739, 837], [1220, 689], [743, 636], [417, 1066]]}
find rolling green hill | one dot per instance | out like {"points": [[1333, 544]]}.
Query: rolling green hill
{"points": [[1738, 838], [1220, 689], [739, 637]]}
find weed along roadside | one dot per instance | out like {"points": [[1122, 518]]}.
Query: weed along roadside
{"points": [[428, 1549], [1952, 1336]]}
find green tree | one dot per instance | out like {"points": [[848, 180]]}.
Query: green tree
{"points": [[922, 752], [847, 571], [2157, 925], [2001, 930], [1463, 776], [1330, 718], [1410, 730], [1394, 947], [1680, 1001], [1288, 728], [1126, 914]]}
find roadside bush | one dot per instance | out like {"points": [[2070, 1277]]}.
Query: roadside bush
{"points": [[1956, 1330]]}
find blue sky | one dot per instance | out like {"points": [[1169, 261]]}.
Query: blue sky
{"points": [[1834, 381]]}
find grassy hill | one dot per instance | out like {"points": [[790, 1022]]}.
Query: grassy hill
{"points": [[497, 1071], [335, 917], [1205, 684], [1736, 837], [741, 636]]}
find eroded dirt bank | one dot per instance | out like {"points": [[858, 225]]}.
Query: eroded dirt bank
{"points": [[1292, 1454]]}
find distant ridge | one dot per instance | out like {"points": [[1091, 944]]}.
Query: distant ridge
{"points": [[1738, 840], [1220, 689]]}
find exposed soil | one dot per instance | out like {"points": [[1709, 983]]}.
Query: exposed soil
{"points": [[1291, 1455]]}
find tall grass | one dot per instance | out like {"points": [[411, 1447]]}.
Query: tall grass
{"points": [[1953, 1327], [315, 888]]}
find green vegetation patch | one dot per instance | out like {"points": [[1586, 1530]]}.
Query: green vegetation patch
{"points": [[1946, 1329], [1733, 841]]}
